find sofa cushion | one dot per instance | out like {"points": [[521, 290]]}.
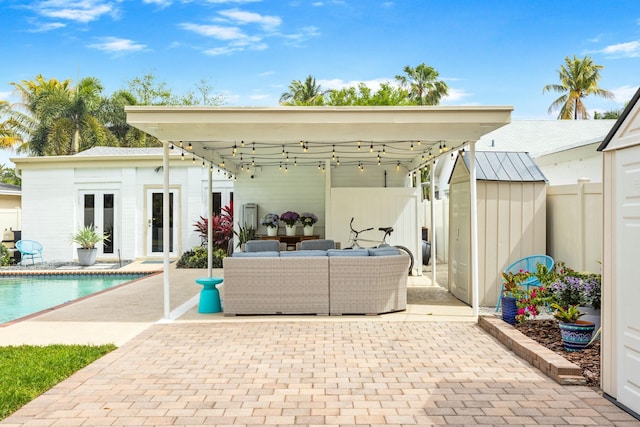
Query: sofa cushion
{"points": [[317, 244], [302, 253], [384, 251], [347, 252], [262, 245], [262, 254]]}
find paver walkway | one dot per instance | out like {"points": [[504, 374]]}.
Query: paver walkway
{"points": [[312, 373]]}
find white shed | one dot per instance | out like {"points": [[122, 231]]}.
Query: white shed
{"points": [[511, 205], [620, 290]]}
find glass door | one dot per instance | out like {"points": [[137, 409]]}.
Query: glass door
{"points": [[98, 211], [155, 223]]}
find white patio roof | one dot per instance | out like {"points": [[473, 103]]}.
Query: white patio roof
{"points": [[262, 134]]}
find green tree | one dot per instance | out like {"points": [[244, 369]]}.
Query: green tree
{"points": [[148, 90], [303, 93], [578, 79], [8, 175], [362, 95], [423, 85]]}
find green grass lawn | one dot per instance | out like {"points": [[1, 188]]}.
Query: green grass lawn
{"points": [[28, 371]]}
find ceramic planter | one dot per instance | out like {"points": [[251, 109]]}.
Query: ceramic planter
{"points": [[291, 230], [272, 231], [576, 336], [87, 257]]}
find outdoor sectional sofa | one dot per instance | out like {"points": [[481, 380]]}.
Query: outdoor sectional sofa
{"points": [[323, 282]]}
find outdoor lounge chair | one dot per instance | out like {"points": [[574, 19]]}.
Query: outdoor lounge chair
{"points": [[530, 264], [29, 249]]}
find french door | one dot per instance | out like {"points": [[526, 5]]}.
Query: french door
{"points": [[98, 210], [155, 222]]}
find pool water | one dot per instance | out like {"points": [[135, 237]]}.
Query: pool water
{"points": [[24, 295]]}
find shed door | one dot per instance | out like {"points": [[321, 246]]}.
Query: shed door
{"points": [[627, 288], [460, 241]]}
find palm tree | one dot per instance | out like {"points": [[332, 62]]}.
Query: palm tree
{"points": [[59, 119], [307, 93], [8, 136], [422, 84], [578, 79]]}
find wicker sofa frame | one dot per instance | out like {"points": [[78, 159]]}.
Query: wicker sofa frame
{"points": [[320, 285]]}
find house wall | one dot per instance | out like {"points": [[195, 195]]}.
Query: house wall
{"points": [[51, 204], [568, 166]]}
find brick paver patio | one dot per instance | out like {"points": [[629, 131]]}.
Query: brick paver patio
{"points": [[313, 373]]}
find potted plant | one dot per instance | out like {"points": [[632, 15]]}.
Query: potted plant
{"points": [[87, 238], [308, 219], [244, 234], [270, 221], [576, 334], [511, 293], [290, 219]]}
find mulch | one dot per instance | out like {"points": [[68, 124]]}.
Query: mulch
{"points": [[547, 333]]}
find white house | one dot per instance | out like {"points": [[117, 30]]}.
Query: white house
{"points": [[119, 191], [621, 231]]}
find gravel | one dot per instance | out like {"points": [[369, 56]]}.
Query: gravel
{"points": [[547, 333]]}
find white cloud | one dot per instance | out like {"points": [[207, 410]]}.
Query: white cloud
{"points": [[232, 1], [259, 97], [623, 94], [623, 50], [72, 10], [215, 31], [304, 34], [266, 73], [159, 3], [241, 17], [455, 95], [41, 28], [117, 45]]}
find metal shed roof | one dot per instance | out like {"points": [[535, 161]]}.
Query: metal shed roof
{"points": [[504, 166]]}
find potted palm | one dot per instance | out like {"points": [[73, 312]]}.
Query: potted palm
{"points": [[87, 238], [576, 334], [511, 293]]}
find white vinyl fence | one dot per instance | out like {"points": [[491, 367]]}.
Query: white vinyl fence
{"points": [[574, 225]]}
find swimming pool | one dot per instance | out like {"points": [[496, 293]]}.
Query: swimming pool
{"points": [[22, 295]]}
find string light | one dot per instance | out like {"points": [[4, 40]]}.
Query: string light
{"points": [[253, 162], [295, 161], [210, 167], [181, 144], [358, 145], [333, 152], [287, 156], [235, 148], [286, 168], [337, 161], [384, 150], [398, 166], [323, 171], [253, 148], [190, 147], [305, 147], [419, 143], [222, 164], [193, 160], [170, 146], [378, 158], [203, 163], [412, 146], [319, 165], [301, 143], [182, 156], [283, 150], [371, 148], [280, 166], [242, 143]]}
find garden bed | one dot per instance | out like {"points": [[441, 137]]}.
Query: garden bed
{"points": [[547, 333]]}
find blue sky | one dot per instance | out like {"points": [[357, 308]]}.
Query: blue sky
{"points": [[491, 52]]}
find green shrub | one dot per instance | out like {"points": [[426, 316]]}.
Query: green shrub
{"points": [[5, 256], [197, 258]]}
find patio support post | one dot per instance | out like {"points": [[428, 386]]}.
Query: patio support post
{"points": [[432, 191], [165, 229], [210, 225], [475, 293], [328, 226]]}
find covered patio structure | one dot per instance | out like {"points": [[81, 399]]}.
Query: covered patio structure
{"points": [[339, 141]]}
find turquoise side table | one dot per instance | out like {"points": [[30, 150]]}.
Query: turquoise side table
{"points": [[209, 295]]}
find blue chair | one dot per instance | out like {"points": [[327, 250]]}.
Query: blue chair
{"points": [[530, 264], [29, 249]]}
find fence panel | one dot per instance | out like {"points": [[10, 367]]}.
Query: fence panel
{"points": [[574, 225]]}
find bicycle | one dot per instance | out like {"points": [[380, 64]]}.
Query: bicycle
{"points": [[354, 241]]}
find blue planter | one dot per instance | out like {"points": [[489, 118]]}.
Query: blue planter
{"points": [[509, 309], [576, 336]]}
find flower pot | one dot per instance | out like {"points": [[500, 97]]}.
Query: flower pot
{"points": [[272, 231], [576, 336], [509, 309], [87, 257], [591, 315], [291, 230], [308, 230]]}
